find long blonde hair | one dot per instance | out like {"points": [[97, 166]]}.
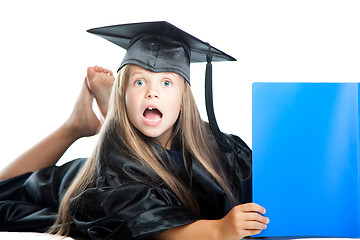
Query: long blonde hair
{"points": [[196, 141]]}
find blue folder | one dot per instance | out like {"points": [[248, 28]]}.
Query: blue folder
{"points": [[306, 158]]}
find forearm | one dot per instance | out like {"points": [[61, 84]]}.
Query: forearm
{"points": [[46, 153], [243, 220], [199, 230]]}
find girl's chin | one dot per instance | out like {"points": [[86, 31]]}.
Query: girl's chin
{"points": [[162, 137], [152, 134]]}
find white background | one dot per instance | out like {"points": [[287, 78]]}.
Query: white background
{"points": [[45, 50]]}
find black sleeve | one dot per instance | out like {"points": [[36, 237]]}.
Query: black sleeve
{"points": [[29, 202], [131, 211], [240, 165]]}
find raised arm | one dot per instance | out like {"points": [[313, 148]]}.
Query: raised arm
{"points": [[243, 220], [82, 123]]}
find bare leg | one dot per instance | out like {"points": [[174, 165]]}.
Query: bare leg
{"points": [[82, 119], [100, 81], [82, 122]]}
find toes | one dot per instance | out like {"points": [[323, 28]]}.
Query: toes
{"points": [[103, 70], [107, 71], [100, 75], [91, 72]]}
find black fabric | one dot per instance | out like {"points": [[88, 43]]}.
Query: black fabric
{"points": [[219, 136], [157, 53], [119, 206], [123, 34], [178, 157], [159, 46], [29, 202]]}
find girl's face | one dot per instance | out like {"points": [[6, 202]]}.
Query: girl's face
{"points": [[153, 102]]}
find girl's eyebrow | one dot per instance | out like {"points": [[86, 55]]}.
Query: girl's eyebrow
{"points": [[136, 73], [174, 75], [164, 74]]}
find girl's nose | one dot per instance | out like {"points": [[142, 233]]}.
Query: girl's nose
{"points": [[152, 93]]}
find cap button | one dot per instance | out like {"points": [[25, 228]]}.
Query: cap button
{"points": [[154, 46]]}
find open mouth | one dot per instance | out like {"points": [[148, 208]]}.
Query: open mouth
{"points": [[152, 114]]}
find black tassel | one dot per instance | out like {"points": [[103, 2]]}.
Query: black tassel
{"points": [[219, 136]]}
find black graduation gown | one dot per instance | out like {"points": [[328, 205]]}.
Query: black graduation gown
{"points": [[119, 206]]}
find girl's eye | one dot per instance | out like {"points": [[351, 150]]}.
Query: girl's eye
{"points": [[139, 83], [166, 83]]}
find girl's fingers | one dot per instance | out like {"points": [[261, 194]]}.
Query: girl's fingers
{"points": [[252, 216], [251, 232], [254, 225], [252, 207]]}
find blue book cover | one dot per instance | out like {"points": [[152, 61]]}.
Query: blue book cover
{"points": [[306, 158]]}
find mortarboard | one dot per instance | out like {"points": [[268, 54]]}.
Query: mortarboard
{"points": [[162, 47]]}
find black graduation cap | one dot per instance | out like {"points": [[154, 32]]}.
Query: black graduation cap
{"points": [[162, 47]]}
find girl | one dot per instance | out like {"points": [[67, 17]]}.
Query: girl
{"points": [[158, 170]]}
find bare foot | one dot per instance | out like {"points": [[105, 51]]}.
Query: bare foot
{"points": [[83, 120], [100, 81]]}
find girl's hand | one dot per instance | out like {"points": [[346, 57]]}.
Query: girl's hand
{"points": [[243, 220]]}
